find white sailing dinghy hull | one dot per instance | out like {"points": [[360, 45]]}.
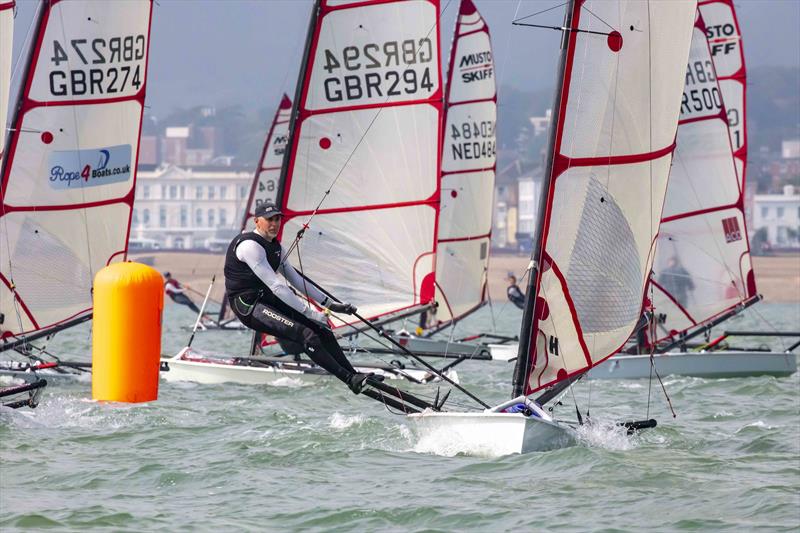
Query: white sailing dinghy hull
{"points": [[719, 364], [193, 367], [489, 433], [722, 364]]}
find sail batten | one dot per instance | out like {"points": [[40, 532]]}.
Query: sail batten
{"points": [[363, 156], [68, 181], [611, 150], [468, 171]]}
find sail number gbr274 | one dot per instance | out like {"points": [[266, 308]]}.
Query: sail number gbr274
{"points": [[97, 67], [373, 70]]}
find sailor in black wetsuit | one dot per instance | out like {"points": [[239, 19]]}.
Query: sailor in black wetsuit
{"points": [[515, 295], [264, 302]]}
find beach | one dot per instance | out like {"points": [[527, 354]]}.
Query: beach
{"points": [[777, 277]]}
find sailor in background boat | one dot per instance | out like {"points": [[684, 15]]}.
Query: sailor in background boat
{"points": [[177, 292], [676, 280], [265, 303], [516, 296]]}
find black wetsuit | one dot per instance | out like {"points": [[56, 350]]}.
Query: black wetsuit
{"points": [[516, 296], [179, 297], [259, 309]]}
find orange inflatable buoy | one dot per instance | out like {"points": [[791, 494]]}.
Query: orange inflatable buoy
{"points": [[126, 334]]}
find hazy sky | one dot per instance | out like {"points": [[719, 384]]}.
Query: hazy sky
{"points": [[248, 51]]}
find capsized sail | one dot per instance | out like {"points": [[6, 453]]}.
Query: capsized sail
{"points": [[611, 147], [6, 45], [702, 266], [70, 173], [468, 170], [265, 181], [363, 155]]}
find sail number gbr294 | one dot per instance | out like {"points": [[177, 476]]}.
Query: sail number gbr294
{"points": [[379, 70], [97, 67]]}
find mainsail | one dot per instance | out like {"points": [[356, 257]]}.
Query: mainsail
{"points": [[6, 45], [265, 181], [468, 170], [69, 179], [702, 266], [611, 147], [725, 40], [363, 157]]}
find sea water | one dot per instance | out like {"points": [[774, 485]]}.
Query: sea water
{"points": [[316, 457]]}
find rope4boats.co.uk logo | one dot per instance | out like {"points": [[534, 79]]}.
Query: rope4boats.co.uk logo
{"points": [[90, 168]]}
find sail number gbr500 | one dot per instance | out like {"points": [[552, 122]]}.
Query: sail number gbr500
{"points": [[390, 69], [97, 67]]}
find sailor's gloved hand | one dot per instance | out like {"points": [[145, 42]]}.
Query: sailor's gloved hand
{"points": [[316, 316], [342, 307]]}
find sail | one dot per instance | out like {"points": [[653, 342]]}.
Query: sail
{"points": [[265, 181], [367, 129], [725, 40], [69, 179], [611, 149], [468, 170], [6, 44], [702, 266]]}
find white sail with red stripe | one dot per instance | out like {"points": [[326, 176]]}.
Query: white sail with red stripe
{"points": [[69, 179], [6, 46], [725, 40], [702, 266], [468, 170], [266, 180], [367, 128], [613, 138]]}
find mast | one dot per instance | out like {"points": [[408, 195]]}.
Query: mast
{"points": [[522, 366]]}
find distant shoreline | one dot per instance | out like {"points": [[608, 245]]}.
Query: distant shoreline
{"points": [[777, 277]]}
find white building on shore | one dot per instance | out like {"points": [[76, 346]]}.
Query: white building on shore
{"points": [[186, 208], [780, 215]]}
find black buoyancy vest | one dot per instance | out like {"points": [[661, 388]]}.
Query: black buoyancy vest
{"points": [[240, 280]]}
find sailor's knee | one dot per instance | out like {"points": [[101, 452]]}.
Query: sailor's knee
{"points": [[310, 339]]}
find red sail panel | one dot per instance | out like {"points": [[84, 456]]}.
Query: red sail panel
{"points": [[614, 136], [702, 264], [265, 182], [468, 170], [368, 129], [70, 174]]}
